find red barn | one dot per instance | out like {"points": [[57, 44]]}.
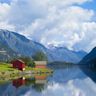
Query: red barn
{"points": [[19, 64]]}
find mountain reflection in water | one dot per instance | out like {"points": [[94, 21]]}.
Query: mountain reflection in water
{"points": [[67, 81]]}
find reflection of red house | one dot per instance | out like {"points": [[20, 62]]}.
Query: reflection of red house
{"points": [[19, 64], [40, 79], [18, 82], [40, 64]]}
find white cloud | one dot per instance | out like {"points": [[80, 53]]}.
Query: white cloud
{"points": [[51, 21], [76, 87], [5, 25], [88, 40], [62, 27], [4, 10], [57, 89]]}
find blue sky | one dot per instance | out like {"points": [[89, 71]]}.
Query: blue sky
{"points": [[5, 1], [90, 5], [68, 23]]}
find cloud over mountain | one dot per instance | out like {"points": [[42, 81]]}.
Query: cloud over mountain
{"points": [[58, 22]]}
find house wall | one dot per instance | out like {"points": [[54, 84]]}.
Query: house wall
{"points": [[19, 65], [40, 66], [40, 77]]}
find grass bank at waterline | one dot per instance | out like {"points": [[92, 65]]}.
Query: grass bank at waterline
{"points": [[7, 71]]}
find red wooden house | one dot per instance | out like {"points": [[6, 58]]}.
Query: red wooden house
{"points": [[19, 64], [40, 64]]}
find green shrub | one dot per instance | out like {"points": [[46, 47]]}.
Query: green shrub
{"points": [[40, 56]]}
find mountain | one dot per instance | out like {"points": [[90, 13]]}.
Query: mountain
{"points": [[7, 53], [19, 43], [14, 43], [90, 58], [81, 54], [64, 54]]}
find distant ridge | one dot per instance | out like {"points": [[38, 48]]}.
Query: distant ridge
{"points": [[14, 43]]}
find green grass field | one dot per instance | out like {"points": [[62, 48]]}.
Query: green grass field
{"points": [[6, 67]]}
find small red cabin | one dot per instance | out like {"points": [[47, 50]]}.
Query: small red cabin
{"points": [[19, 64], [40, 64]]}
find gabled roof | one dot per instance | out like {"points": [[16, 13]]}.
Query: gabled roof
{"points": [[18, 60]]}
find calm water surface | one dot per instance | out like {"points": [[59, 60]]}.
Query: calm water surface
{"points": [[67, 81]]}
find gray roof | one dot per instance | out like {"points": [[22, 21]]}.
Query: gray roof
{"points": [[40, 62]]}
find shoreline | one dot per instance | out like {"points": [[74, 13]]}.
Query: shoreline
{"points": [[27, 74], [7, 71]]}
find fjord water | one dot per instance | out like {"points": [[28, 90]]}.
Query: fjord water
{"points": [[65, 81]]}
